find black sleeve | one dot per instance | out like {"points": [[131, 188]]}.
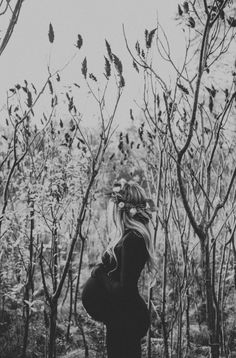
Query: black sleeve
{"points": [[133, 258]]}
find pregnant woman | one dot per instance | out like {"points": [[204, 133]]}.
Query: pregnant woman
{"points": [[111, 294]]}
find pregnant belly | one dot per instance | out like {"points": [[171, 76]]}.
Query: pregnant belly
{"points": [[95, 299]]}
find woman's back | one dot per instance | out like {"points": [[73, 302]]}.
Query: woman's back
{"points": [[131, 255]]}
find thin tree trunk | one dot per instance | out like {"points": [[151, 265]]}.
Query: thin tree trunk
{"points": [[180, 321], [54, 301], [29, 283], [149, 343], [52, 330], [26, 321], [187, 321], [224, 338], [211, 314], [163, 313], [78, 323], [70, 307], [150, 293]]}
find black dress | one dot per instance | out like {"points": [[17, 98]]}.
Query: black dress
{"points": [[114, 299]]}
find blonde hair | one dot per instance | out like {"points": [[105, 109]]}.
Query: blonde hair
{"points": [[132, 195]]}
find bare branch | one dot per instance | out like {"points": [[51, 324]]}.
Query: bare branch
{"points": [[48, 298], [11, 25], [206, 7], [221, 205], [143, 64]]}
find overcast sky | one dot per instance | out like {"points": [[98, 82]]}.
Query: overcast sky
{"points": [[27, 54]]}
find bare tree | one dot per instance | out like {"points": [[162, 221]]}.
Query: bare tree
{"points": [[96, 156], [195, 117]]}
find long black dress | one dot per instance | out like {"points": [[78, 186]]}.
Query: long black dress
{"points": [[115, 299]]}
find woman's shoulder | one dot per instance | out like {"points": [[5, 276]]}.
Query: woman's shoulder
{"points": [[133, 236], [134, 243], [132, 233]]}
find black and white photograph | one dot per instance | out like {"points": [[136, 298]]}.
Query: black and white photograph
{"points": [[118, 179]]}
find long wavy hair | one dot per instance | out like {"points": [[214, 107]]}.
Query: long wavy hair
{"points": [[129, 209]]}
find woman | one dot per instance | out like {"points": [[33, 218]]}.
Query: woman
{"points": [[111, 294]]}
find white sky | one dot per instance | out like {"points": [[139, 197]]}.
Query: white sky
{"points": [[27, 53]]}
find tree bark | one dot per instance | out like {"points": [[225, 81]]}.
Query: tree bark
{"points": [[29, 283], [163, 313], [52, 330], [70, 305], [210, 308]]}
